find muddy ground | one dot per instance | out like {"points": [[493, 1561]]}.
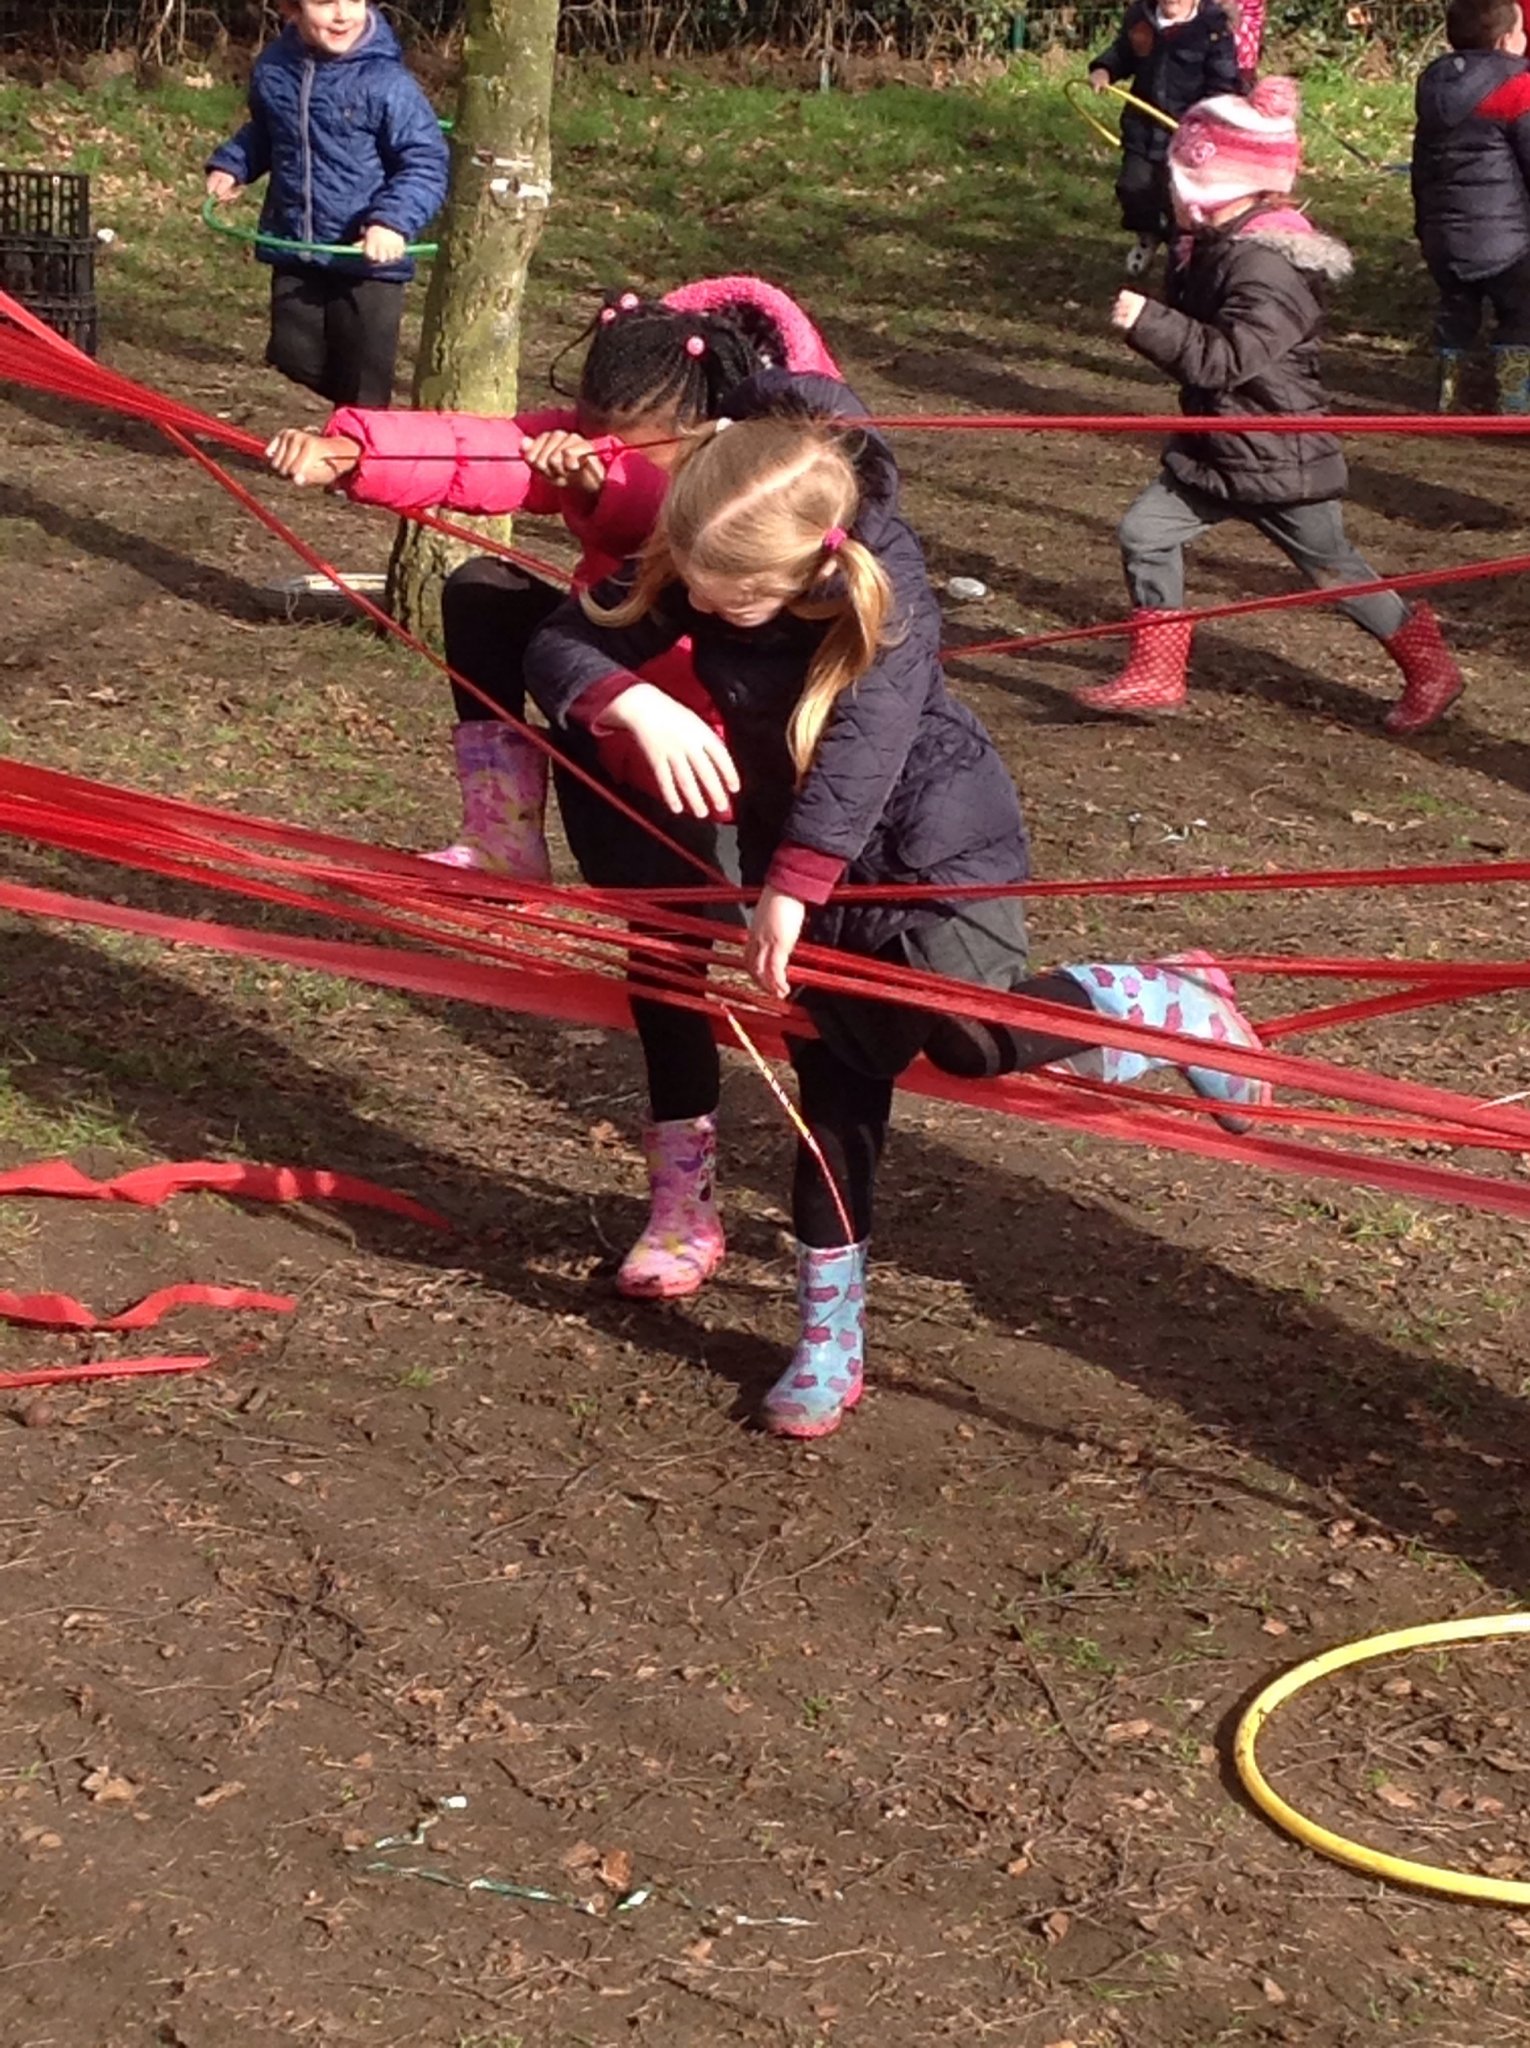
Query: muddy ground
{"points": [[918, 1735]]}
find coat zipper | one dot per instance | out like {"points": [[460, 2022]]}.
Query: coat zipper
{"points": [[305, 95]]}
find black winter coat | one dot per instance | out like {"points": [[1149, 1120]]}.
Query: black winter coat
{"points": [[905, 786], [1171, 68], [1240, 332], [1471, 161]]}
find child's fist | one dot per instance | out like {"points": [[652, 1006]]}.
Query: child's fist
{"points": [[568, 461], [1124, 313], [222, 186], [305, 458], [382, 245], [1099, 80]]}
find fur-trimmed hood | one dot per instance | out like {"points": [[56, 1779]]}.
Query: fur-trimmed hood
{"points": [[1290, 234]]}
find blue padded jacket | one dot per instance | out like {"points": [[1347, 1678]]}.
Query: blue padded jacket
{"points": [[349, 142]]}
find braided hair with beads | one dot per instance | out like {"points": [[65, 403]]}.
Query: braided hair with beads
{"points": [[646, 358]]}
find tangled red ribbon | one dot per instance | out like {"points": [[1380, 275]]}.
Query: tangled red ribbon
{"points": [[565, 953]]}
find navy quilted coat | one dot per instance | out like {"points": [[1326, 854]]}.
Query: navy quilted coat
{"points": [[905, 786], [1171, 66], [349, 142]]}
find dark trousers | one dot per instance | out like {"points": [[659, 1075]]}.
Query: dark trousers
{"points": [[846, 1075], [490, 611], [1459, 317], [337, 333], [1143, 192]]}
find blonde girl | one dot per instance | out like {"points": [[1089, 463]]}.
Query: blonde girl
{"points": [[782, 554]]}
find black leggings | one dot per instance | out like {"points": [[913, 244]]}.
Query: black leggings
{"points": [[336, 332], [847, 1106], [490, 612]]}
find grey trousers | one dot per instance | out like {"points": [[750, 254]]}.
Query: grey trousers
{"points": [[1161, 521]]}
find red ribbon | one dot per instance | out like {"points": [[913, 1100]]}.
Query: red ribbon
{"points": [[105, 1369], [63, 1312], [149, 1186]]}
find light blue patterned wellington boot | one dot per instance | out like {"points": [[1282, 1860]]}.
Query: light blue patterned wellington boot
{"points": [[827, 1374], [1189, 993]]}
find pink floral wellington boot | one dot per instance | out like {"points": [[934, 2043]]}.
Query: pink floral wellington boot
{"points": [[682, 1245], [503, 779]]}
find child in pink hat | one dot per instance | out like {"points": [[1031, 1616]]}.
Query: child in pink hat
{"points": [[1240, 333]]}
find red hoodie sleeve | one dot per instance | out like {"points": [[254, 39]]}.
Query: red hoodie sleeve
{"points": [[464, 461], [614, 528]]}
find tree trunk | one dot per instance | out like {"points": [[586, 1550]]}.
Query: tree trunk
{"points": [[501, 176]]}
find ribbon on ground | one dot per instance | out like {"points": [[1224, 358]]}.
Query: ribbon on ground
{"points": [[105, 1369], [148, 1186], [63, 1312]]}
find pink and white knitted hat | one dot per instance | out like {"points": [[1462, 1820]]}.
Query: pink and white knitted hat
{"points": [[1226, 149]]}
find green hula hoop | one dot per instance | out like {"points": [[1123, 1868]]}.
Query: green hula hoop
{"points": [[254, 238]]}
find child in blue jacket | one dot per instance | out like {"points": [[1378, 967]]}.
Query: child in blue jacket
{"points": [[355, 155]]}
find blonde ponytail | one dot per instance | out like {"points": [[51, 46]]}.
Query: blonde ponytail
{"points": [[846, 651]]}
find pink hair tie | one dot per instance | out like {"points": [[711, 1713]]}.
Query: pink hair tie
{"points": [[607, 315], [834, 540], [695, 346], [629, 302]]}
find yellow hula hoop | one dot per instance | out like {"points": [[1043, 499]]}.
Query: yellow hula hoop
{"points": [[1073, 87], [1456, 1884]]}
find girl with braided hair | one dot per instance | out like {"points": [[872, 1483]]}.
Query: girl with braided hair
{"points": [[781, 555]]}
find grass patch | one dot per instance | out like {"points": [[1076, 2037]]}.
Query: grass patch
{"points": [[956, 209]]}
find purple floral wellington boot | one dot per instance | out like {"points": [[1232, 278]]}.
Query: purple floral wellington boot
{"points": [[682, 1244], [1190, 994], [827, 1374], [503, 780]]}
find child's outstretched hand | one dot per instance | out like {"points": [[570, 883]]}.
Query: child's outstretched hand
{"points": [[1125, 311], [305, 458], [692, 767], [382, 245], [774, 931], [567, 460], [1099, 79], [223, 186]]}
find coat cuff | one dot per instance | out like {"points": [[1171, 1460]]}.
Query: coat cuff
{"points": [[1157, 333], [804, 872], [592, 703]]}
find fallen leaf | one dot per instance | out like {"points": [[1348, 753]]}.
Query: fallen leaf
{"points": [[1128, 1731], [615, 1870], [1272, 1627], [216, 1794], [1395, 1795], [1273, 1992], [106, 1789], [1055, 1927], [1017, 1866]]}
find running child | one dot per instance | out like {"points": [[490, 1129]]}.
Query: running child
{"points": [[1170, 53], [781, 554], [654, 371], [1240, 333], [1471, 195], [354, 155]]}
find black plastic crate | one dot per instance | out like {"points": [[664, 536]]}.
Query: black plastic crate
{"points": [[51, 203], [47, 252]]}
